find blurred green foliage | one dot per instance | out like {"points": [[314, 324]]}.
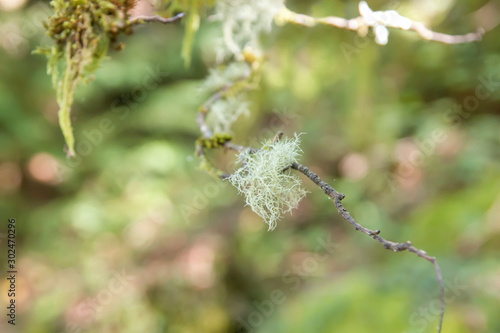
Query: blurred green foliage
{"points": [[132, 237]]}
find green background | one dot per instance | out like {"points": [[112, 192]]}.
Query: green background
{"points": [[133, 237]]}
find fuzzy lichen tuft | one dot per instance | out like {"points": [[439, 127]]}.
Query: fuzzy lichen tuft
{"points": [[230, 81], [226, 111], [242, 22], [266, 180], [224, 76]]}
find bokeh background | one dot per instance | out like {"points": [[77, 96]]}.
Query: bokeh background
{"points": [[132, 237]]}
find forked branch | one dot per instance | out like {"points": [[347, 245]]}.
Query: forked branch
{"points": [[379, 21]]}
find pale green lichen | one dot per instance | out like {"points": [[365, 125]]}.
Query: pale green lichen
{"points": [[242, 23], [266, 180], [225, 112], [224, 76], [230, 81]]}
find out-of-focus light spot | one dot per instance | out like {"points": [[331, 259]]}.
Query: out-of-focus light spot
{"points": [[475, 319], [404, 148], [425, 10], [303, 85], [197, 264], [469, 244], [379, 155], [12, 39], [38, 274], [86, 217], [142, 7], [10, 5], [488, 16], [43, 168], [10, 177], [354, 166], [161, 211], [108, 246], [451, 145], [142, 233], [149, 222], [408, 172], [157, 157], [408, 175]]}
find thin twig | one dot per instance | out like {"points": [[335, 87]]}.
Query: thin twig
{"points": [[428, 34], [368, 18], [360, 25], [337, 198], [155, 18], [375, 234], [330, 191]]}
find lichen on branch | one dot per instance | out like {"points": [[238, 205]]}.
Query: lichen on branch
{"points": [[266, 180], [243, 22], [378, 21]]}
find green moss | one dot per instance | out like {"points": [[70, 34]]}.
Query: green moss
{"points": [[82, 31], [217, 141]]}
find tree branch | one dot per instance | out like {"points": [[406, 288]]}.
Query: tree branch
{"points": [[155, 18], [379, 21], [337, 197]]}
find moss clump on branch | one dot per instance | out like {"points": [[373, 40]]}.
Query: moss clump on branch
{"points": [[217, 141], [266, 180], [82, 31]]}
